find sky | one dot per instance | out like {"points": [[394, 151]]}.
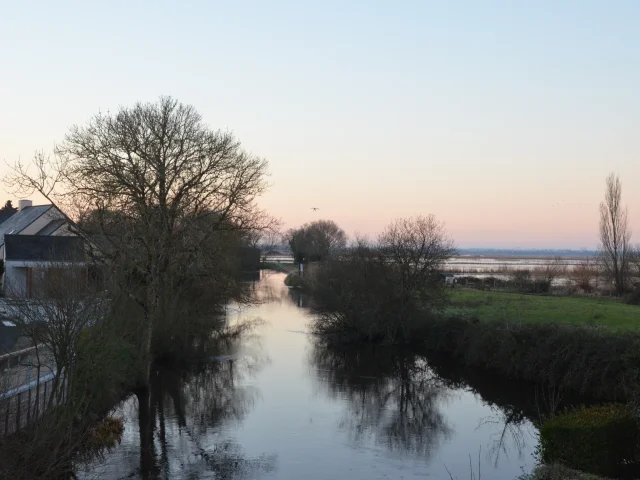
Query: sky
{"points": [[501, 118]]}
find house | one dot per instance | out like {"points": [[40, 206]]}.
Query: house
{"points": [[27, 258], [45, 220]]}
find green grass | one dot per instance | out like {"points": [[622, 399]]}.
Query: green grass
{"points": [[500, 306]]}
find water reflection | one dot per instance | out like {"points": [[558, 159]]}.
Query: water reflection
{"points": [[316, 413], [392, 395], [182, 424], [515, 407]]}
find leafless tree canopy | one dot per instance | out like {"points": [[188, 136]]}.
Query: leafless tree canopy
{"points": [[418, 246], [387, 289], [614, 235], [584, 274], [157, 193]]}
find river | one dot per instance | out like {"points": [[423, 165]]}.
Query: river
{"points": [[279, 405]]}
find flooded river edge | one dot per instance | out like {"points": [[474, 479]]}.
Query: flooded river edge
{"points": [[280, 404]]}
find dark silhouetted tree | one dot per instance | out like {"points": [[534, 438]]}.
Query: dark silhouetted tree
{"points": [[316, 241], [614, 235]]}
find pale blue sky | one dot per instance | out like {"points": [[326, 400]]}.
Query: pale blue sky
{"points": [[484, 113]]}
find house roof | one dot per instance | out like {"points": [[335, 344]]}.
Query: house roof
{"points": [[21, 220], [43, 248], [52, 226], [4, 216]]}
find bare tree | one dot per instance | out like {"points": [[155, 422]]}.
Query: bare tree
{"points": [[387, 289], [149, 176], [614, 235], [56, 318], [419, 248], [634, 266], [266, 237], [548, 273], [269, 241], [61, 306], [316, 241], [584, 274]]}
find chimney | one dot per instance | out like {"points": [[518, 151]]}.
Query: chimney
{"points": [[23, 204]]}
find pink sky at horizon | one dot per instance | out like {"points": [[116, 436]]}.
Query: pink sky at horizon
{"points": [[503, 119]]}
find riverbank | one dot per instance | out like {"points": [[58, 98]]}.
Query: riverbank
{"points": [[277, 403], [582, 346], [558, 472], [514, 307], [588, 361]]}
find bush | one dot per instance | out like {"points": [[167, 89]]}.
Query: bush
{"points": [[584, 360], [633, 298], [596, 439], [106, 434], [360, 297], [294, 280], [106, 368]]}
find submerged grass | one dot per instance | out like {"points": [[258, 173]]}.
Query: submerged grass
{"points": [[513, 307]]}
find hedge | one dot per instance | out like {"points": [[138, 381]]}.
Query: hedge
{"points": [[602, 439]]}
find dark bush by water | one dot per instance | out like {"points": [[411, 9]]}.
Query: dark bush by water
{"points": [[584, 360], [600, 439]]}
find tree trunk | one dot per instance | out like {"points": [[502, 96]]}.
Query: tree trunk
{"points": [[151, 313], [146, 422]]}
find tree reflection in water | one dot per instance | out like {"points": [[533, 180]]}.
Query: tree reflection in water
{"points": [[182, 419], [513, 433], [515, 407], [392, 394]]}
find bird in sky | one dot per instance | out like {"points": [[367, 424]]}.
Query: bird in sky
{"points": [[315, 208]]}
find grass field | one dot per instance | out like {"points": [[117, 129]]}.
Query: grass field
{"points": [[492, 306]]}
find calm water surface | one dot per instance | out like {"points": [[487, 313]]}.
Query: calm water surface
{"points": [[277, 405]]}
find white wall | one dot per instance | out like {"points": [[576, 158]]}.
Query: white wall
{"points": [[63, 231], [42, 222], [15, 280]]}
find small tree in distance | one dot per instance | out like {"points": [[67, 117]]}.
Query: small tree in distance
{"points": [[584, 274], [316, 241], [8, 208]]}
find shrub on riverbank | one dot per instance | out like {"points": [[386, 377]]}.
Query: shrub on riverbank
{"points": [[106, 369], [382, 291], [558, 472], [585, 360], [294, 280], [106, 434], [599, 439], [360, 297]]}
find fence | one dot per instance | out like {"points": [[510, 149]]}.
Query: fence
{"points": [[25, 392]]}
